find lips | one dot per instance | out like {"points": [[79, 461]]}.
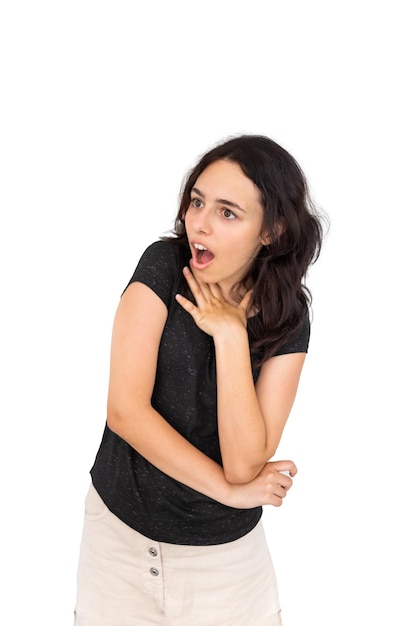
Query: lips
{"points": [[202, 256]]}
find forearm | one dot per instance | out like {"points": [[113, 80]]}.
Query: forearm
{"points": [[242, 430], [165, 448], [151, 435]]}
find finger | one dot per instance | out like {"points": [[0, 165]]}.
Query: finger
{"points": [[277, 498], [285, 466], [186, 304], [196, 286], [210, 290], [280, 492], [216, 291], [279, 480], [203, 292], [284, 480], [273, 497]]}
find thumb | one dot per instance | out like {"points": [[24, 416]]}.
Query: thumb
{"points": [[286, 466]]}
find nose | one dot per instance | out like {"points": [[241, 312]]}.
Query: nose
{"points": [[202, 221]]}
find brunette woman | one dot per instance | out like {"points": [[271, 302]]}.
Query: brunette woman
{"points": [[208, 345]]}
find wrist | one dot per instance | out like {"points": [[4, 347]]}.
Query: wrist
{"points": [[242, 496], [231, 337]]}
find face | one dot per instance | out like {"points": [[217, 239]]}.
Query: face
{"points": [[223, 224]]}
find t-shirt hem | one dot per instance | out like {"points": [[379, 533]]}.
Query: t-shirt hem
{"points": [[177, 539]]}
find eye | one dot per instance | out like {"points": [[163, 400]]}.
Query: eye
{"points": [[196, 203], [228, 214]]}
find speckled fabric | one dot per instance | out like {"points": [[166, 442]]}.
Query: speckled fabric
{"points": [[143, 497]]}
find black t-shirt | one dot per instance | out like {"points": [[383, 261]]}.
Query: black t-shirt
{"points": [[142, 496]]}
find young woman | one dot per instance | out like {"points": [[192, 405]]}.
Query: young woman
{"points": [[208, 345]]}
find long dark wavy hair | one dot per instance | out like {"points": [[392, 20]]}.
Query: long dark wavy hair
{"points": [[295, 234]]}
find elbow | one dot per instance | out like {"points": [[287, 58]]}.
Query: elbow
{"points": [[241, 471], [240, 475], [116, 421], [126, 418]]}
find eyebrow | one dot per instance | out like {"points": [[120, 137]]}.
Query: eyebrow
{"points": [[219, 200]]}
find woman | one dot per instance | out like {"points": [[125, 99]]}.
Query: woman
{"points": [[208, 345]]}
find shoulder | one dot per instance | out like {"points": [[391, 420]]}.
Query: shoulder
{"points": [[160, 253], [158, 258], [159, 268], [300, 342]]}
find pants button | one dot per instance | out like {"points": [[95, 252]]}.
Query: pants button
{"points": [[153, 551], [154, 571]]}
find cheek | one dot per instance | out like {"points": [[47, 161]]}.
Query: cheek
{"points": [[246, 244], [251, 251], [239, 256], [187, 220]]}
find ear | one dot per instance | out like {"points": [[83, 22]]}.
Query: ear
{"points": [[266, 237]]}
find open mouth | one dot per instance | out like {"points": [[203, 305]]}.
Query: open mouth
{"points": [[202, 255]]}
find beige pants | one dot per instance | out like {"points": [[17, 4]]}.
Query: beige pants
{"points": [[126, 579]]}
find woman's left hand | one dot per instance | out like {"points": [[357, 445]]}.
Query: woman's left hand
{"points": [[212, 313], [269, 487]]}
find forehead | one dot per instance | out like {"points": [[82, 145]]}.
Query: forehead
{"points": [[226, 180]]}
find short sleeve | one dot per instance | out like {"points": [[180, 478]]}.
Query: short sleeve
{"points": [[158, 268], [299, 344]]}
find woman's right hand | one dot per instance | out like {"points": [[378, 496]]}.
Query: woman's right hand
{"points": [[269, 487]]}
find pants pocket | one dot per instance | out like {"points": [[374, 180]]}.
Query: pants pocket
{"points": [[95, 508]]}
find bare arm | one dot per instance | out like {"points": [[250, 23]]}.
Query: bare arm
{"points": [[251, 419], [137, 330]]}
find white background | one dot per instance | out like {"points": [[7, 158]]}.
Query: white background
{"points": [[104, 108]]}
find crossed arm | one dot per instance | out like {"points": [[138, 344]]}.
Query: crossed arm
{"points": [[251, 418], [247, 437]]}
